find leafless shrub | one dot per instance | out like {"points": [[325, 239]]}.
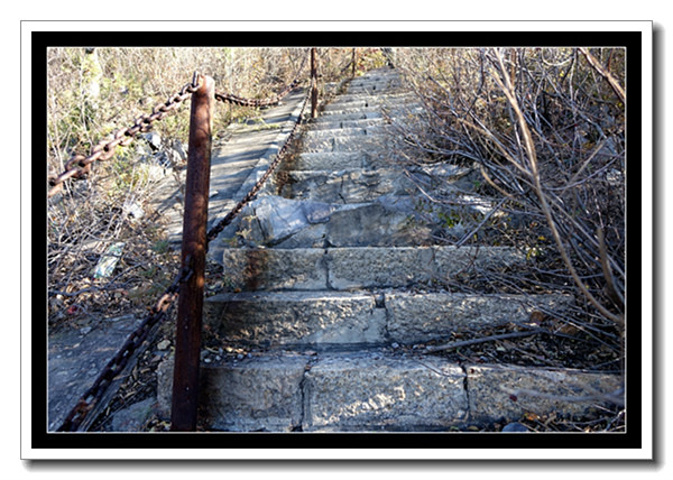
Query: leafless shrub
{"points": [[545, 126]]}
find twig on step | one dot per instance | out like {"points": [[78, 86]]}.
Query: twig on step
{"points": [[490, 338]]}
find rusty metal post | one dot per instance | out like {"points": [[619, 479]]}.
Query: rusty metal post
{"points": [[314, 83], [190, 303], [353, 64]]}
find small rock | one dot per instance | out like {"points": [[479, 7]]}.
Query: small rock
{"points": [[85, 330], [395, 345], [515, 427], [164, 344], [132, 419]]}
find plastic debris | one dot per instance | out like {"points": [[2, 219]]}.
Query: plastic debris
{"points": [[108, 261]]}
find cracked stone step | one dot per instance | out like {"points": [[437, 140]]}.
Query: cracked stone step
{"points": [[346, 186], [511, 391], [324, 320], [354, 113], [378, 97], [386, 221], [350, 268], [344, 143], [375, 85], [358, 185], [383, 392], [365, 102], [297, 319], [332, 116], [354, 132], [316, 125], [332, 160], [380, 391]]}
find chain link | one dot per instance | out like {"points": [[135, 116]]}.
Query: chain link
{"points": [[79, 165]]}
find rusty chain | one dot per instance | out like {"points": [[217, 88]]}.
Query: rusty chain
{"points": [[79, 165], [217, 229], [115, 367], [159, 312], [257, 103]]}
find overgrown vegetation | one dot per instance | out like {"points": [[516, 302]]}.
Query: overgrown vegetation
{"points": [[93, 93], [546, 129]]}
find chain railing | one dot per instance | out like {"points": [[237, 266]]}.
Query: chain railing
{"points": [[79, 165], [80, 416]]}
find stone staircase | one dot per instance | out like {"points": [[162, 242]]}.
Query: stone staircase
{"points": [[334, 285]]}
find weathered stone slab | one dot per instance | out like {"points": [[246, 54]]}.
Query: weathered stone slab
{"points": [[351, 268], [274, 269], [451, 260], [343, 143], [415, 318], [77, 355], [276, 218], [507, 391], [338, 130], [374, 392], [366, 102], [367, 267], [353, 114], [348, 268], [258, 394], [339, 124], [316, 319], [330, 160], [372, 224], [374, 84], [380, 99], [347, 185], [252, 394]]}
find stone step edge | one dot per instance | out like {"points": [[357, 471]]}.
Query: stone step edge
{"points": [[444, 172], [331, 320], [266, 158], [349, 268], [383, 391]]}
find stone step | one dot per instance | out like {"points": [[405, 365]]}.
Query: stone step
{"points": [[344, 143], [358, 185], [378, 98], [372, 85], [387, 221], [321, 124], [344, 112], [331, 160], [336, 130], [350, 268], [336, 116], [328, 320], [380, 390], [346, 186], [387, 102], [274, 221]]}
